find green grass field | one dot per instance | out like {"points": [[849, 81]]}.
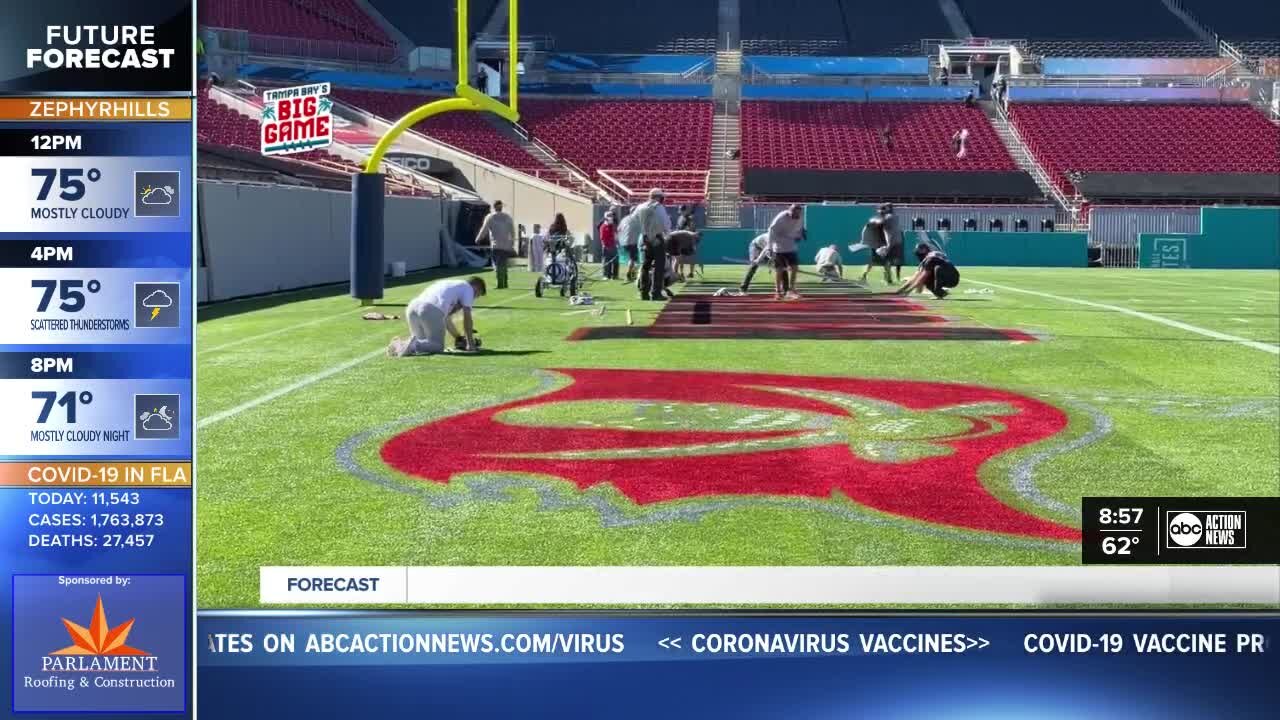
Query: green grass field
{"points": [[1178, 396]]}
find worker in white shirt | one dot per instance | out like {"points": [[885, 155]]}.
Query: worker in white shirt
{"points": [[785, 231], [629, 241], [828, 263], [655, 223], [430, 317], [501, 232]]}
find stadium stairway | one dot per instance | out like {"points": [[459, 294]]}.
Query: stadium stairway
{"points": [[567, 175], [724, 190], [724, 186], [1022, 156]]}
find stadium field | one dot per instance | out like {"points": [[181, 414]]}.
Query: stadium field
{"points": [[843, 429]]}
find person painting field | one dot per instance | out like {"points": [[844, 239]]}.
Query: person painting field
{"points": [[936, 272], [876, 240], [828, 264], [893, 237], [654, 223], [883, 237], [758, 256], [785, 231], [629, 242], [430, 317], [682, 250]]}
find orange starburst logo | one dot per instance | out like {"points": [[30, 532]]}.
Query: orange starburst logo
{"points": [[99, 638]]}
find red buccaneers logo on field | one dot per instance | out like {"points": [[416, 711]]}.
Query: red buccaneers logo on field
{"points": [[907, 448]]}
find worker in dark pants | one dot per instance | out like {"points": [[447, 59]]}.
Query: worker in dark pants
{"points": [[655, 223], [757, 257]]}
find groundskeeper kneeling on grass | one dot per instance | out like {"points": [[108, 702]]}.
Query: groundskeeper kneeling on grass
{"points": [[430, 317], [935, 272]]}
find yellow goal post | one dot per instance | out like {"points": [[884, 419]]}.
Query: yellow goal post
{"points": [[466, 97]]}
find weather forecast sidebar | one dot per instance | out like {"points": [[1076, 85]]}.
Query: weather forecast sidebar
{"points": [[96, 334]]}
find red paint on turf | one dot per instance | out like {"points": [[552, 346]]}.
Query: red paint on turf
{"points": [[814, 317], [942, 490]]}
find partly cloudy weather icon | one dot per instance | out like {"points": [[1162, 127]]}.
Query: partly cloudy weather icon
{"points": [[157, 195], [159, 421], [157, 299]]}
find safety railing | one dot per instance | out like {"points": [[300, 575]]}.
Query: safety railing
{"points": [[1041, 175], [638, 79], [930, 46], [698, 70], [576, 173], [647, 179]]}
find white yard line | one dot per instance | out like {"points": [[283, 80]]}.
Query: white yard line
{"points": [[303, 382], [1209, 287], [280, 392], [273, 333], [1264, 347]]}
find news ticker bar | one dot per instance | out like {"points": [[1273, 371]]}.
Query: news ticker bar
{"points": [[1180, 530], [785, 586], [326, 638], [380, 664]]}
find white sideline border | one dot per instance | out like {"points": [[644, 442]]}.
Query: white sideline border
{"points": [[218, 417], [278, 331], [789, 586], [231, 412], [1264, 347]]}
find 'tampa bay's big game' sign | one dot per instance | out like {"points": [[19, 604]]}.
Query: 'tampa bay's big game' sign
{"points": [[297, 119]]}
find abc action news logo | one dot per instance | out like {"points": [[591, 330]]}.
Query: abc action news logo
{"points": [[1205, 529]]}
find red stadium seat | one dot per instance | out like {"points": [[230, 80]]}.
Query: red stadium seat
{"points": [[1147, 138], [622, 137], [629, 135], [342, 23], [846, 136]]}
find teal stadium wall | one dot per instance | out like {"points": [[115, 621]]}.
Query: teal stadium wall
{"points": [[841, 225], [1230, 239], [1014, 249]]}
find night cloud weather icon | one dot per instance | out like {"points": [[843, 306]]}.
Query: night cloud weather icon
{"points": [[157, 299], [157, 196], [160, 421]]}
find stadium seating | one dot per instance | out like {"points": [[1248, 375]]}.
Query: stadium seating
{"points": [[1269, 49], [625, 135], [846, 136], [336, 21], [1147, 138], [840, 27], [623, 26], [1089, 28], [1239, 22], [1123, 48]]}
